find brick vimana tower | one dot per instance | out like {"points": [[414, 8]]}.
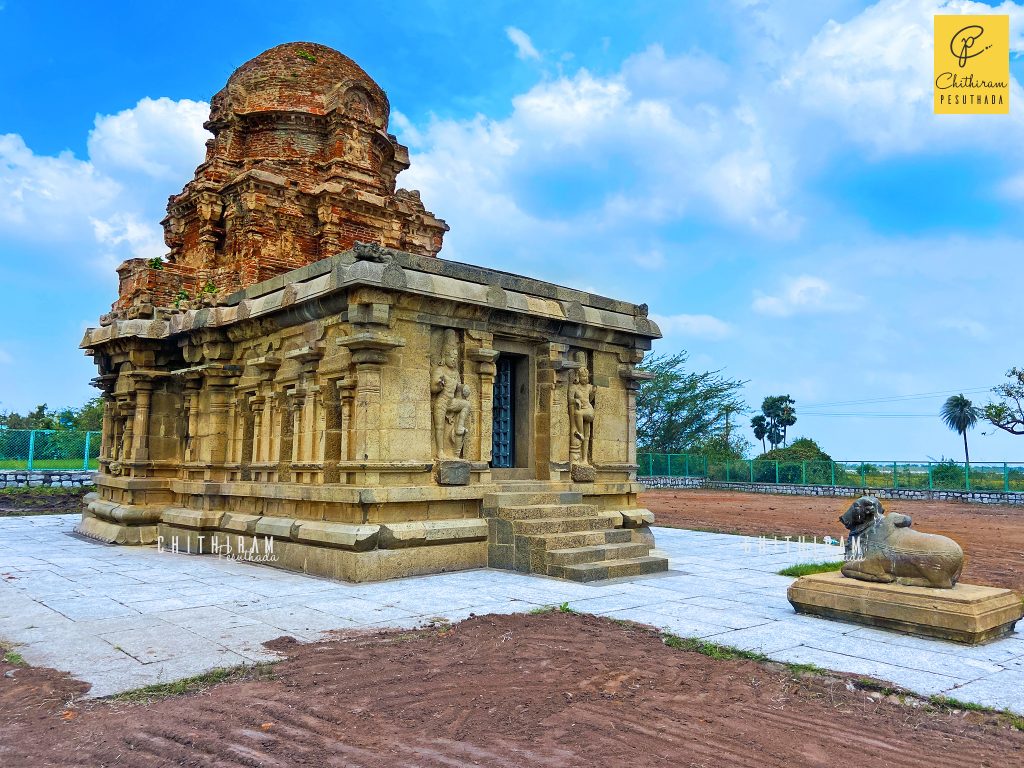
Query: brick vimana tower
{"points": [[301, 380], [300, 167]]}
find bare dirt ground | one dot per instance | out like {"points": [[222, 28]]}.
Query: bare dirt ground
{"points": [[16, 502], [992, 536], [555, 689]]}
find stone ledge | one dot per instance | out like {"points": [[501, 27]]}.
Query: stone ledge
{"points": [[344, 535], [191, 518], [428, 532], [127, 514], [968, 613]]}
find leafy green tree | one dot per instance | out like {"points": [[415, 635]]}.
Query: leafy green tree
{"points": [[676, 409], [1008, 412], [760, 426], [87, 418], [960, 415], [803, 458], [779, 413]]}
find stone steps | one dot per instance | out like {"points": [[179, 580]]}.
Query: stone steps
{"points": [[609, 569], [537, 527], [504, 499], [596, 553], [555, 534], [547, 511], [580, 539]]}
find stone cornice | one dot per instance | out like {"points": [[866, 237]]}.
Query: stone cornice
{"points": [[591, 316]]}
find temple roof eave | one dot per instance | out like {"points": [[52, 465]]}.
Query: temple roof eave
{"points": [[404, 273]]}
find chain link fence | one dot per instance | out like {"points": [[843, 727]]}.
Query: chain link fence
{"points": [[42, 449], [1007, 477]]}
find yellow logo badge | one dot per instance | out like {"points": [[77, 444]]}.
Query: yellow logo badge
{"points": [[972, 65]]}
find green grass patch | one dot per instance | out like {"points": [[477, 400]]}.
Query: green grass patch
{"points": [[806, 569], [197, 684], [948, 704], [711, 650], [563, 608], [15, 658]]}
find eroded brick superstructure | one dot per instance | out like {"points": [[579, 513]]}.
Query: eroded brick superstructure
{"points": [[300, 167]]}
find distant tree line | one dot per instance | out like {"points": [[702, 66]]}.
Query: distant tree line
{"points": [[86, 418]]}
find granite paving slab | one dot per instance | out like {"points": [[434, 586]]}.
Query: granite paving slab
{"points": [[124, 617]]}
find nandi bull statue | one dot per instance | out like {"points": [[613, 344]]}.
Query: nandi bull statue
{"points": [[883, 548]]}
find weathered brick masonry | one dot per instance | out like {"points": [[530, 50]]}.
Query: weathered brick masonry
{"points": [[301, 167]]}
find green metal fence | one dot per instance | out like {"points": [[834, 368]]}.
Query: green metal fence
{"points": [[40, 449], [1007, 477]]}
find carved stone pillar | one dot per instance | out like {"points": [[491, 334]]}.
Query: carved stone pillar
{"points": [[484, 358], [257, 404], [552, 423], [370, 350], [193, 384], [106, 444], [214, 451], [140, 420], [632, 379]]}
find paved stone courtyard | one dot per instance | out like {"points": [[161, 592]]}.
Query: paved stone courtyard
{"points": [[125, 617]]}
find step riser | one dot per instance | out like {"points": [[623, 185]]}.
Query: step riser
{"points": [[611, 569], [557, 525], [574, 540], [543, 511], [611, 552], [494, 501]]}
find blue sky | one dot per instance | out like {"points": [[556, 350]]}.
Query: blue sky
{"points": [[767, 176]]}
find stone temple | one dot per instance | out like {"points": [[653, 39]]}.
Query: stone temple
{"points": [[302, 380]]}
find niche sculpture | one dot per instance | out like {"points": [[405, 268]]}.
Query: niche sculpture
{"points": [[450, 406], [582, 402]]}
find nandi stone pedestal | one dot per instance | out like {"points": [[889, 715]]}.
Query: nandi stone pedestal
{"points": [[304, 382], [901, 579], [966, 613]]}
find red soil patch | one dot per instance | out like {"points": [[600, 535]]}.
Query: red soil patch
{"points": [[992, 536], [554, 689]]}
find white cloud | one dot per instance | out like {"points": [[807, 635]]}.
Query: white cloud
{"points": [[523, 44], [966, 326], [47, 197], [694, 326], [872, 75], [1012, 188], [160, 138], [620, 152], [805, 294], [143, 239], [113, 200]]}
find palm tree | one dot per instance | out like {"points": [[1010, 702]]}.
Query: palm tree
{"points": [[760, 425], [959, 414]]}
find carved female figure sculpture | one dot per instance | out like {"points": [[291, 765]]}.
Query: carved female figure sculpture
{"points": [[449, 411], [581, 415], [458, 414]]}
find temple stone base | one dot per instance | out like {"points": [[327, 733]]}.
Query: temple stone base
{"points": [[116, 533], [356, 553], [966, 614]]}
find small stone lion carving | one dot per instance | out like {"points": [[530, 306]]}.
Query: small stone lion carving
{"points": [[883, 548]]}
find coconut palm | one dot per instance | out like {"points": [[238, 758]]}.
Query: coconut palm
{"points": [[959, 414]]}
